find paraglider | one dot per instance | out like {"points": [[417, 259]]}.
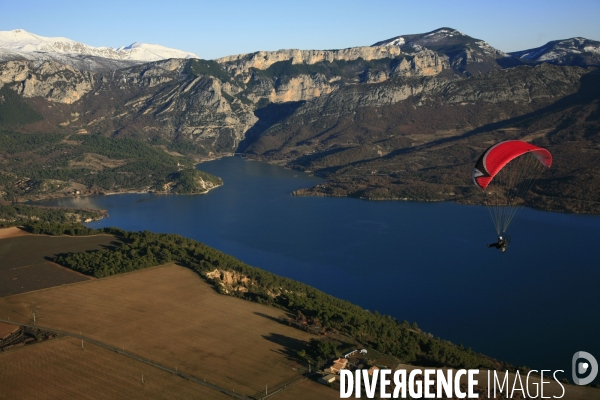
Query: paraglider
{"points": [[506, 172], [502, 244]]}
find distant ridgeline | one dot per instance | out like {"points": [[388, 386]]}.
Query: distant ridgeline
{"points": [[380, 332], [405, 118]]}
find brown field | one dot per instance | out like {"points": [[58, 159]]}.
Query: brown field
{"points": [[7, 329], [308, 389], [13, 231], [25, 265], [61, 369], [169, 315]]}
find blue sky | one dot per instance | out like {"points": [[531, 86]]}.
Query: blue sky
{"points": [[214, 29]]}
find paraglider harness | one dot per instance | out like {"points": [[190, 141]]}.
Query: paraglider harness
{"points": [[502, 244]]}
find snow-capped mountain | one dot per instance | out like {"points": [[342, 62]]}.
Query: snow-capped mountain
{"points": [[440, 39], [465, 53], [20, 44], [574, 51]]}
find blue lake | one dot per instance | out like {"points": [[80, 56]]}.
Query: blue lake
{"points": [[535, 305]]}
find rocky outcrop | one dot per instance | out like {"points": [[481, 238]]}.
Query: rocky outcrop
{"points": [[519, 85], [203, 103], [164, 99], [199, 111], [424, 63], [303, 87], [53, 81], [228, 281], [154, 97], [466, 54], [243, 63], [309, 86]]}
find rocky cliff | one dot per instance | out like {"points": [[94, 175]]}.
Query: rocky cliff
{"points": [[242, 64], [200, 102], [161, 99], [285, 82], [50, 80], [376, 121], [467, 55]]}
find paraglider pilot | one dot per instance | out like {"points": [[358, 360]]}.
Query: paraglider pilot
{"points": [[501, 244]]}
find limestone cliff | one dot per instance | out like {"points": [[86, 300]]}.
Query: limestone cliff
{"points": [[242, 64], [53, 81], [211, 106], [424, 63], [201, 103], [304, 84], [393, 120], [302, 87], [161, 99]]}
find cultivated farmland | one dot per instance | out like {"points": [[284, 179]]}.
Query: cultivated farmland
{"points": [[171, 316], [25, 260], [61, 369]]}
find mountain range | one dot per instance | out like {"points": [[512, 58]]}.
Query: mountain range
{"points": [[404, 118], [20, 44]]}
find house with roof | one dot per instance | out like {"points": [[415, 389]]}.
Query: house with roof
{"points": [[338, 365]]}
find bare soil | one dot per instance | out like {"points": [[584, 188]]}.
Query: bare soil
{"points": [[7, 330], [309, 389], [61, 369], [25, 260], [171, 316], [13, 231]]}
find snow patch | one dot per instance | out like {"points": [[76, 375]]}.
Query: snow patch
{"points": [[396, 42], [592, 49], [551, 55], [21, 41]]}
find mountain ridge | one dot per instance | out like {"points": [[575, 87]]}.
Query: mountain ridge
{"points": [[377, 122], [22, 41], [574, 51], [444, 40], [20, 44]]}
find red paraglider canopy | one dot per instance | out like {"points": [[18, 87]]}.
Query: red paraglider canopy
{"points": [[497, 156]]}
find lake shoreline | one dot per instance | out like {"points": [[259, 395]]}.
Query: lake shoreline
{"points": [[420, 261]]}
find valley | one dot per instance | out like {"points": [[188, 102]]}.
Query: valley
{"points": [[403, 119], [248, 199]]}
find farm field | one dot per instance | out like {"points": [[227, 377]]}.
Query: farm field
{"points": [[171, 316], [308, 389], [13, 231], [166, 314], [25, 265], [61, 369]]}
